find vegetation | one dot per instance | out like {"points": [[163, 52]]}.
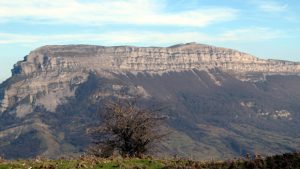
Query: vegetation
{"points": [[123, 139], [285, 161], [126, 130]]}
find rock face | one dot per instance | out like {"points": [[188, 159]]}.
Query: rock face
{"points": [[128, 58], [53, 80], [52, 68]]}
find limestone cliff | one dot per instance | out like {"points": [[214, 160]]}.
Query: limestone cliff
{"points": [[129, 58], [49, 74], [221, 101]]}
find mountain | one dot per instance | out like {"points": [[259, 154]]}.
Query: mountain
{"points": [[220, 102]]}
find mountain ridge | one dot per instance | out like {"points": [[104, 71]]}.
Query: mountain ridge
{"points": [[216, 98], [131, 58]]}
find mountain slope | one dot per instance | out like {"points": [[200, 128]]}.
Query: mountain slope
{"points": [[220, 102]]}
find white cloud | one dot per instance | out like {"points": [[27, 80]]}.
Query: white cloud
{"points": [[272, 6], [106, 38], [251, 34], [99, 12], [143, 37]]}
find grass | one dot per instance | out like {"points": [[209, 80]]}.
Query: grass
{"points": [[86, 162], [285, 161]]}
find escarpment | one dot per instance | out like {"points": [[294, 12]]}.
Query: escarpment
{"points": [[52, 72], [230, 97], [154, 59]]}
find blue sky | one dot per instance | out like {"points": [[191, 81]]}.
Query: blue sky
{"points": [[264, 28]]}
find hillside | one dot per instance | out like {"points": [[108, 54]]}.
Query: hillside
{"points": [[220, 103]]}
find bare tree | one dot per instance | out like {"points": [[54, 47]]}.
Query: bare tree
{"points": [[126, 129]]}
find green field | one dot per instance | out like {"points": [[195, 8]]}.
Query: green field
{"points": [[285, 161]]}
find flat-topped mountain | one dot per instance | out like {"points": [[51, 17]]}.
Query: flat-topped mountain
{"points": [[220, 102], [154, 59]]}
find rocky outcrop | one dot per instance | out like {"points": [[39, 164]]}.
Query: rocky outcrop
{"points": [[54, 92], [156, 59], [51, 73]]}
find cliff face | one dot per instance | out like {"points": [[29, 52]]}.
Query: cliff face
{"points": [[54, 85], [127, 58], [51, 72]]}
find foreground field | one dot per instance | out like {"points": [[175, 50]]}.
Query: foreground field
{"points": [[285, 161]]}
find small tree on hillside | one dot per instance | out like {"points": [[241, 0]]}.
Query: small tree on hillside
{"points": [[126, 129]]}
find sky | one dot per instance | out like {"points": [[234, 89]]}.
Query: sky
{"points": [[268, 29]]}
